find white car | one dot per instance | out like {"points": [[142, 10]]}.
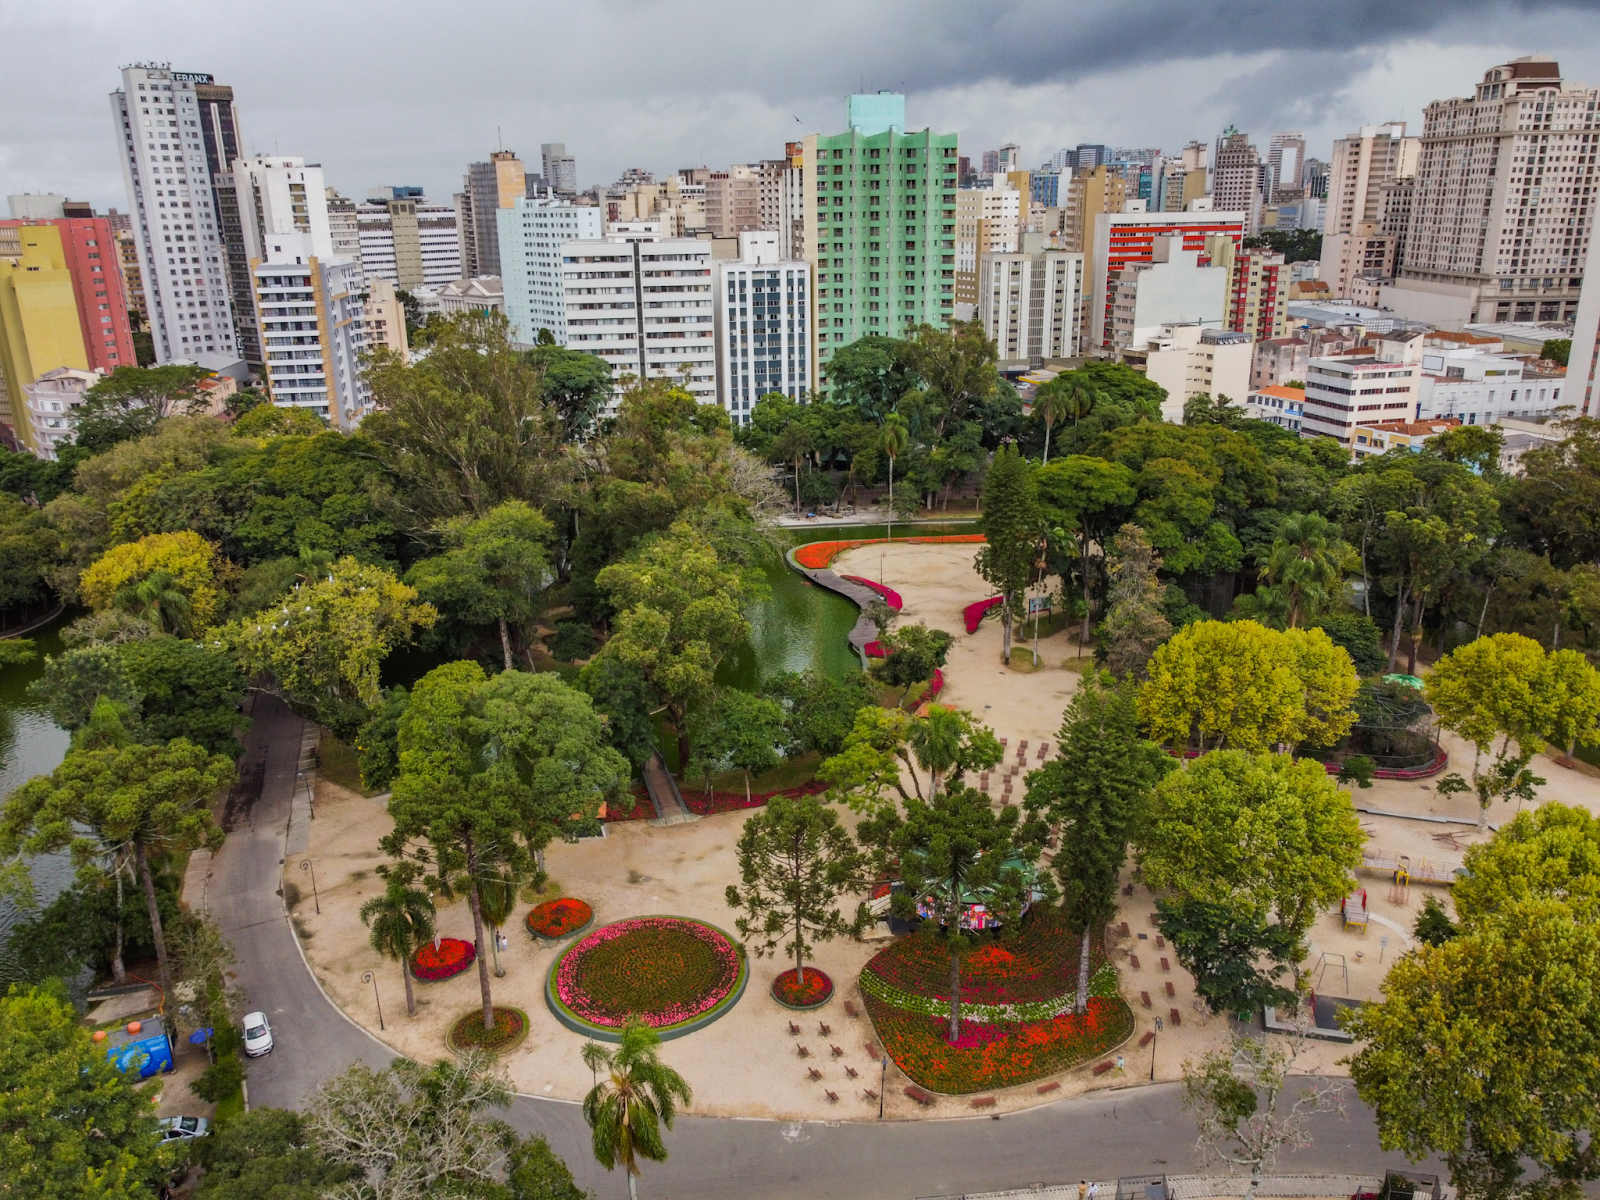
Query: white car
{"points": [[183, 1129], [257, 1035]]}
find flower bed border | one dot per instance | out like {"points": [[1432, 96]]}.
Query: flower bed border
{"points": [[974, 613], [545, 938], [604, 1033], [839, 547], [1441, 759], [467, 962], [890, 596], [697, 802], [450, 1040], [833, 990]]}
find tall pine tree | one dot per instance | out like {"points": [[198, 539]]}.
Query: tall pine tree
{"points": [[1012, 527], [1095, 790]]}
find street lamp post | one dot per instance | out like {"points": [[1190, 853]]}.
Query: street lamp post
{"points": [[369, 977], [305, 865], [1153, 1042], [883, 1085]]}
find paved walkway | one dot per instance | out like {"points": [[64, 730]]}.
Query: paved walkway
{"points": [[664, 793], [866, 629]]}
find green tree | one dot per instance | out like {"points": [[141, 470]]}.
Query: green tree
{"points": [[627, 1109], [870, 761], [1477, 447], [498, 892], [28, 553], [169, 580], [957, 369], [186, 689], [1135, 625], [821, 710], [575, 384], [1095, 790], [1551, 853], [157, 600], [1570, 689], [536, 1172], [323, 645], [679, 613], [1554, 505], [1085, 499], [871, 374], [795, 860], [1066, 395], [127, 403], [1556, 350], [1307, 561], [1013, 529], [947, 743], [912, 653], [268, 1154], [490, 771], [71, 1125], [792, 446], [493, 572], [378, 743], [623, 698], [401, 920], [72, 683], [1263, 833], [951, 850], [1221, 944], [1434, 926], [893, 437], [130, 801], [739, 732]]}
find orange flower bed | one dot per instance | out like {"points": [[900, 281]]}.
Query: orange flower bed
{"points": [[816, 555]]}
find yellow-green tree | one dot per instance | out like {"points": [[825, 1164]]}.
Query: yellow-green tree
{"points": [[324, 643], [1241, 685], [192, 567]]}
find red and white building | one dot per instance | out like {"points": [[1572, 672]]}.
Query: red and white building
{"points": [[1123, 239]]}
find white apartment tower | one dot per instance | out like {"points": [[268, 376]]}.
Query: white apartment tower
{"points": [[279, 194], [1504, 199], [531, 233], [1029, 302], [182, 257], [644, 304], [763, 343]]}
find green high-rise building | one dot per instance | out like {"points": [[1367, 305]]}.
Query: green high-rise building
{"points": [[880, 226]]}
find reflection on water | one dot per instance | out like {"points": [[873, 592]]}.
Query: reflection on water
{"points": [[800, 626], [30, 744]]}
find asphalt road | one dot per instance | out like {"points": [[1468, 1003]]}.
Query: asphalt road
{"points": [[1101, 1136]]}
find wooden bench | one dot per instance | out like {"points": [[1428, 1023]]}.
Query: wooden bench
{"points": [[1171, 992], [1145, 996], [1161, 942], [833, 1097], [872, 1052], [1043, 1088], [1176, 1019], [1133, 961], [1165, 965], [850, 1010], [983, 1102], [1102, 1068], [814, 1073], [1125, 931], [920, 1096], [1149, 1036]]}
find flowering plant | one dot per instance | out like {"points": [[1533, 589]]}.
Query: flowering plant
{"points": [[704, 805], [789, 990], [558, 918], [816, 555], [450, 957], [977, 610], [509, 1026], [890, 596], [665, 970]]}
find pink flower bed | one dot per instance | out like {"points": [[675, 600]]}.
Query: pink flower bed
{"points": [[977, 611], [701, 804], [890, 596], [665, 970], [874, 650], [935, 686]]}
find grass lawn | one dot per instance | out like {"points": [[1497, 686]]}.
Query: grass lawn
{"points": [[791, 773], [341, 765]]}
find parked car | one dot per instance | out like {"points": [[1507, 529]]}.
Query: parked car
{"points": [[257, 1035], [183, 1129]]}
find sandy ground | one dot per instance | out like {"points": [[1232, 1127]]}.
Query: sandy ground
{"points": [[746, 1064]]}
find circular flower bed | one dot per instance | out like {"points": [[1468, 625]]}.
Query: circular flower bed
{"points": [[816, 991], [675, 974], [468, 1033], [451, 957], [557, 919]]}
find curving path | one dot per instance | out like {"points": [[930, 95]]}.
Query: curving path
{"points": [[1099, 1136]]}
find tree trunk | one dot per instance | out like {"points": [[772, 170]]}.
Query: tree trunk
{"points": [[1394, 634], [477, 935], [1083, 567], [1046, 462], [799, 958], [156, 934], [1416, 636], [633, 1186], [1366, 582], [119, 971], [1081, 1004], [1005, 618], [411, 996], [797, 485], [505, 642], [1254, 1185], [955, 984]]}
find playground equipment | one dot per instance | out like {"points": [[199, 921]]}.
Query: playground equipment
{"points": [[1353, 908], [1403, 869]]}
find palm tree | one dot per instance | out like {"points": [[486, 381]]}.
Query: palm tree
{"points": [[626, 1110], [497, 900], [401, 921], [1063, 396], [1307, 561], [892, 439], [936, 742], [156, 599], [793, 444]]}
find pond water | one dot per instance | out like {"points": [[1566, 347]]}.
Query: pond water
{"points": [[30, 744]]}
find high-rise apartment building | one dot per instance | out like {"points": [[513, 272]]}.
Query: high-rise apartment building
{"points": [[1286, 157], [279, 194], [1029, 302], [409, 241], [1258, 289], [560, 169], [792, 223], [770, 209], [39, 327], [880, 225], [384, 318], [763, 343], [91, 257], [1236, 177], [166, 132], [989, 220], [1121, 239], [487, 188], [224, 142], [1315, 178], [1092, 192], [128, 260], [344, 229], [1363, 165], [644, 304], [733, 201], [531, 234], [1504, 200]]}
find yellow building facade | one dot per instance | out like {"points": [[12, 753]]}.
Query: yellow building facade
{"points": [[39, 328]]}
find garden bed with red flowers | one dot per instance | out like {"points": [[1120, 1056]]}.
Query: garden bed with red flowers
{"points": [[814, 556], [890, 596], [706, 804], [816, 991], [560, 918], [1040, 963], [449, 958], [468, 1033], [642, 810], [675, 974], [975, 612], [935, 686], [999, 1054]]}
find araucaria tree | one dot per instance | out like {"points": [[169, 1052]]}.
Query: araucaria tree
{"points": [[627, 1108], [1135, 624], [490, 771], [1095, 790], [124, 801], [949, 850], [1013, 533], [795, 860]]}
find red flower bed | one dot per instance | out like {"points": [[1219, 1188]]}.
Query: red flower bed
{"points": [[701, 804], [976, 611], [816, 989], [642, 809], [997, 1055], [509, 1027], [665, 970], [558, 918], [874, 650], [890, 596], [452, 957], [935, 686], [816, 555], [1040, 963]]}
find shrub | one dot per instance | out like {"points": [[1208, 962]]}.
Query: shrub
{"points": [[572, 640], [220, 1080]]}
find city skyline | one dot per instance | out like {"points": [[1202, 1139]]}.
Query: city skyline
{"points": [[718, 101]]}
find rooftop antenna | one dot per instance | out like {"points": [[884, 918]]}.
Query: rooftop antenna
{"points": [[500, 141]]}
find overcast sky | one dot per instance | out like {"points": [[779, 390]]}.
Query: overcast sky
{"points": [[410, 92]]}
